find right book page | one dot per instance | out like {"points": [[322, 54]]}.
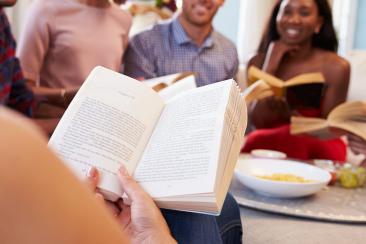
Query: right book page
{"points": [[181, 157]]}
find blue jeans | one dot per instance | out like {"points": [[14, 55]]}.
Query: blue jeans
{"points": [[201, 228]]}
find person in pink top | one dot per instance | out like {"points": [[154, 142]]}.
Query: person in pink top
{"points": [[63, 40]]}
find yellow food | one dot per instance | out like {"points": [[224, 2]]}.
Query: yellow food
{"points": [[284, 177], [352, 177]]}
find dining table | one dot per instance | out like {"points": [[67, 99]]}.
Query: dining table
{"points": [[265, 227], [333, 215]]}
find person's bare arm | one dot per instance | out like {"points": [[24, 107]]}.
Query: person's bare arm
{"points": [[47, 125], [41, 200], [47, 115], [337, 74], [57, 96], [46, 110], [277, 50], [270, 111]]}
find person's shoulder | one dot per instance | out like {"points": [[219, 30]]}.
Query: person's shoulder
{"points": [[122, 14], [44, 8], [336, 63], [226, 47], [44, 4], [155, 34], [335, 66], [223, 41], [256, 60]]}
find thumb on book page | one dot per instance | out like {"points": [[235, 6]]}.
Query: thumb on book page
{"points": [[132, 189]]}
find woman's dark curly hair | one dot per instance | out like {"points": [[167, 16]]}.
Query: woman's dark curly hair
{"points": [[325, 39]]}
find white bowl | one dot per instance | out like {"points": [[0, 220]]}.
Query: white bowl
{"points": [[263, 153], [248, 169]]}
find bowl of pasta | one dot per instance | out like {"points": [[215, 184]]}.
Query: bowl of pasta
{"points": [[281, 178]]}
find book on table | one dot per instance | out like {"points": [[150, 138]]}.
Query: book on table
{"points": [[303, 90], [182, 151], [346, 117]]}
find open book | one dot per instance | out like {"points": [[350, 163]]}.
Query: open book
{"points": [[182, 151], [171, 85], [349, 116], [302, 88]]}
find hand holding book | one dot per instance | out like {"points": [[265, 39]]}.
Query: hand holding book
{"points": [[141, 219]]}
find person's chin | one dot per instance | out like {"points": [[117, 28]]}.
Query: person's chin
{"points": [[292, 41], [200, 21]]}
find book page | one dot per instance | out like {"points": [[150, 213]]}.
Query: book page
{"points": [[178, 87], [255, 74], [182, 154], [109, 122], [278, 85], [356, 127], [171, 85], [354, 110], [166, 79], [301, 125], [256, 91], [348, 116], [305, 79]]}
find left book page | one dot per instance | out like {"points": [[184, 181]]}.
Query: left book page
{"points": [[109, 122]]}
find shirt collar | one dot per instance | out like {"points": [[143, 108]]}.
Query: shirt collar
{"points": [[181, 37]]}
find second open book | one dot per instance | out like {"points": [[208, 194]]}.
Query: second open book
{"points": [[181, 151], [348, 116], [308, 86]]}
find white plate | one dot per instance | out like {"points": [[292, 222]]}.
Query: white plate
{"points": [[264, 153], [247, 169]]}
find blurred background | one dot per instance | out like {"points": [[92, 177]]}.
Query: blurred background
{"points": [[243, 21]]}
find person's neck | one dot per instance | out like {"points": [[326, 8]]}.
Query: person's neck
{"points": [[198, 34], [96, 3], [303, 52]]}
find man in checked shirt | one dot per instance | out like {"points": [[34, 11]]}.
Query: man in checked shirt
{"points": [[186, 44]]}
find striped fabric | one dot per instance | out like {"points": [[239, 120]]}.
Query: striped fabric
{"points": [[13, 91]]}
